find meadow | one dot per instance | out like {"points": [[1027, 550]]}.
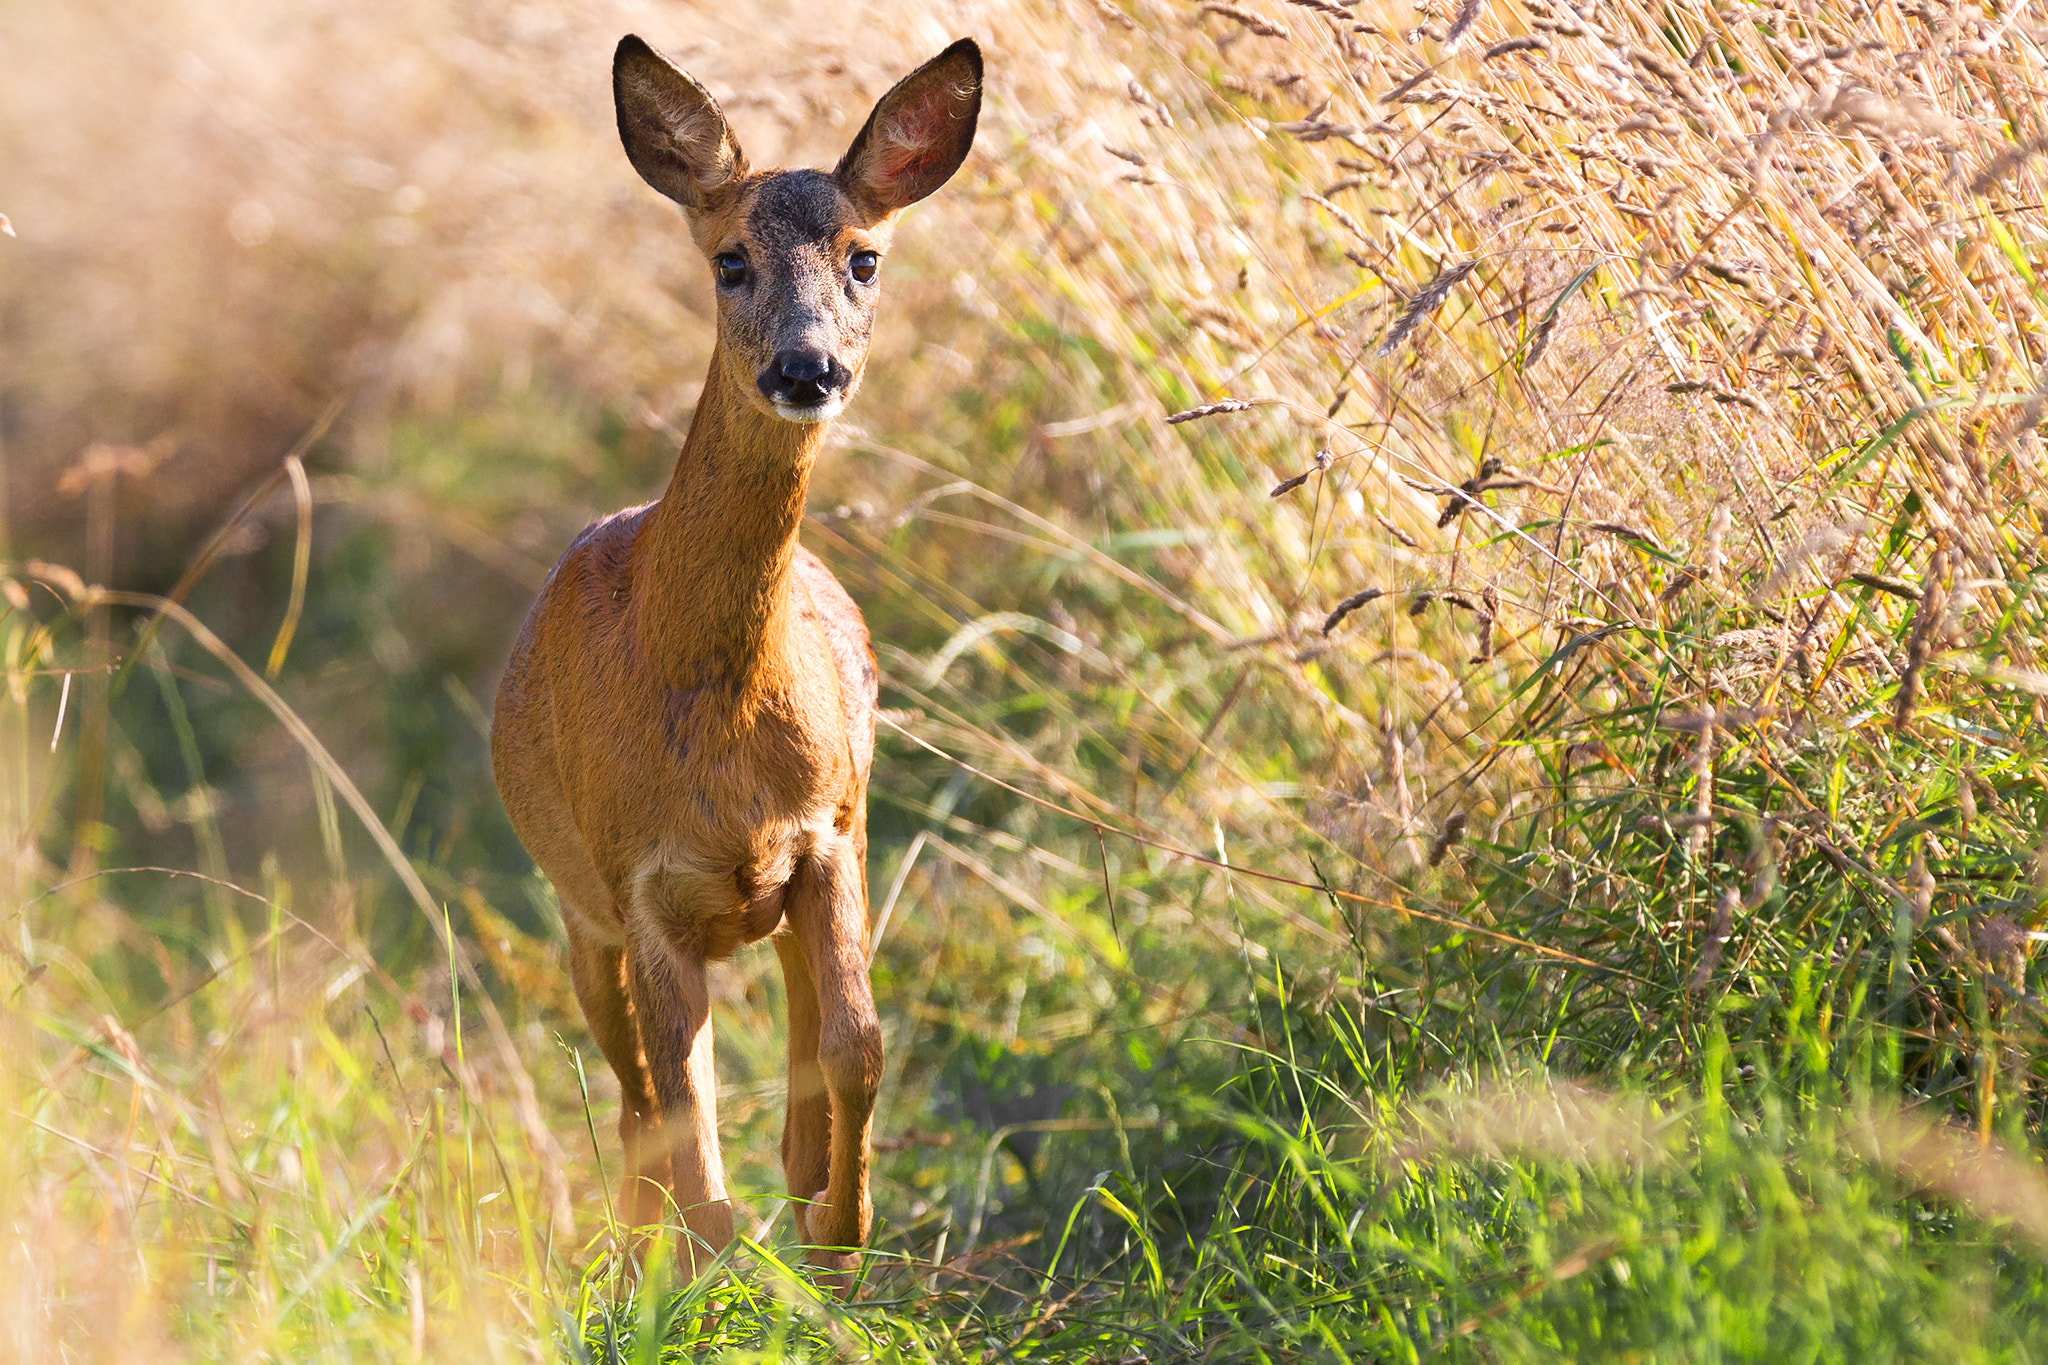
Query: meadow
{"points": [[1458, 595]]}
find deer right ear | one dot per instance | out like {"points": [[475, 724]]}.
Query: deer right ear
{"points": [[675, 134], [917, 136]]}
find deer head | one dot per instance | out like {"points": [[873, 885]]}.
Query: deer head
{"points": [[795, 255]]}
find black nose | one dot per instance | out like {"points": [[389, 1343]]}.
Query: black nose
{"points": [[803, 378]]}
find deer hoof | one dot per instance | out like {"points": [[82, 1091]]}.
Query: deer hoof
{"points": [[834, 1272]]}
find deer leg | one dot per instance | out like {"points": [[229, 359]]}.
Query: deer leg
{"points": [[673, 1002], [829, 920], [599, 974], [807, 1126]]}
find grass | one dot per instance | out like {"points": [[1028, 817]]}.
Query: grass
{"points": [[1508, 830]]}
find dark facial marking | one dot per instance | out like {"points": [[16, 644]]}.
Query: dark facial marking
{"points": [[794, 207], [809, 325]]}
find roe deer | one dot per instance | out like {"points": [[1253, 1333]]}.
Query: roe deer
{"points": [[684, 732]]}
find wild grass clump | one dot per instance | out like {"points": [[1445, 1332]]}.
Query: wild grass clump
{"points": [[1457, 598]]}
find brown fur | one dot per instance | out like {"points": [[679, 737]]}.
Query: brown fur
{"points": [[684, 732]]}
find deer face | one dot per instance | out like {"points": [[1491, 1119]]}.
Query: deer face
{"points": [[795, 255]]}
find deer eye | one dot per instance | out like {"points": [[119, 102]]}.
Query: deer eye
{"points": [[731, 267], [864, 264]]}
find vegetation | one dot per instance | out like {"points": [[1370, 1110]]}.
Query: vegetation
{"points": [[1459, 595]]}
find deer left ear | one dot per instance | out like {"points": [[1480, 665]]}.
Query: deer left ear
{"points": [[917, 136], [675, 134]]}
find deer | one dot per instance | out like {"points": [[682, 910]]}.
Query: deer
{"points": [[684, 731]]}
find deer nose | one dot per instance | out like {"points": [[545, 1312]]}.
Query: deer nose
{"points": [[803, 377]]}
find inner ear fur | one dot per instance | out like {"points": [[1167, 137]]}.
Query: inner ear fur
{"points": [[917, 136], [675, 134]]}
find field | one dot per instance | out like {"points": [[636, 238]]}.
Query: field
{"points": [[1459, 600]]}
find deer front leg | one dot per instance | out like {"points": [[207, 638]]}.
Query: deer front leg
{"points": [[599, 973], [828, 920], [673, 1003]]}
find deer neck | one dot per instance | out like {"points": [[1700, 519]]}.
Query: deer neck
{"points": [[711, 577]]}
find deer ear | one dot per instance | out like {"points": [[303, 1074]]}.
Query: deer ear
{"points": [[917, 136], [675, 134]]}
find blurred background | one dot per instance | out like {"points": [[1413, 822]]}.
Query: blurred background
{"points": [[1599, 646]]}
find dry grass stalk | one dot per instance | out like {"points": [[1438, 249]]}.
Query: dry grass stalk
{"points": [[1540, 342], [1408, 86], [1425, 301], [1349, 605], [1717, 936], [1448, 838], [1257, 23], [1139, 95], [1714, 562], [1461, 23], [1396, 532], [1396, 746], [1319, 129], [1467, 493], [1920, 885], [1349, 223], [1819, 541], [1322, 462], [1904, 591], [1488, 618], [1208, 410], [1925, 637], [1701, 835]]}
